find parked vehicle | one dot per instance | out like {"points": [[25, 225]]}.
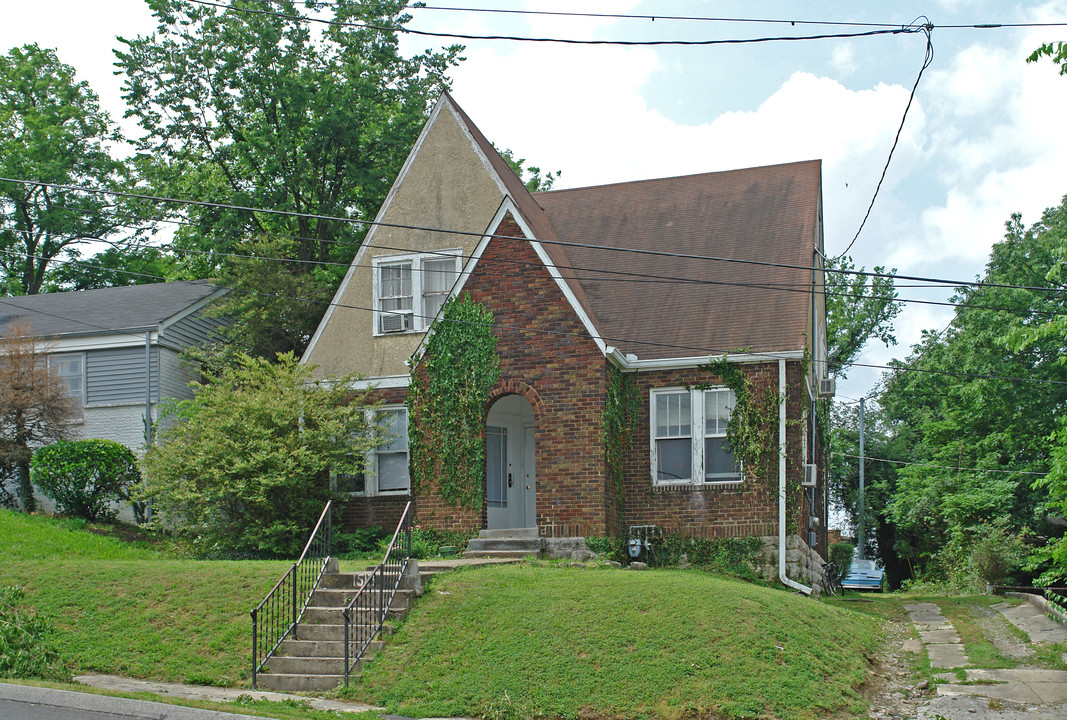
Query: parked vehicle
{"points": [[863, 575]]}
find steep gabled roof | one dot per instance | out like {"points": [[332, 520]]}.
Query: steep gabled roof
{"points": [[531, 211], [108, 310], [764, 215]]}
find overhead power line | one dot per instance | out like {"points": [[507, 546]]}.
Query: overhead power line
{"points": [[941, 467], [928, 58], [739, 20], [898, 30], [612, 340], [587, 246]]}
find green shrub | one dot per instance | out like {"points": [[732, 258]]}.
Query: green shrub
{"points": [[25, 651], [606, 547], [359, 541], [427, 542], [84, 477], [841, 556], [733, 556]]}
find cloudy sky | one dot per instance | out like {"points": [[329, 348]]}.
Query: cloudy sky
{"points": [[984, 137]]}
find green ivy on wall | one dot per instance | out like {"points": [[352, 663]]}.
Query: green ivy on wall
{"points": [[450, 387], [621, 409], [753, 427]]}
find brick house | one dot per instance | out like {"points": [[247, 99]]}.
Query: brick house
{"points": [[653, 278]]}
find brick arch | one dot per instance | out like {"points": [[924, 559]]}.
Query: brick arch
{"points": [[517, 387]]}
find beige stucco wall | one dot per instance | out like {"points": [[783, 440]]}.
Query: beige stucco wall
{"points": [[446, 185]]}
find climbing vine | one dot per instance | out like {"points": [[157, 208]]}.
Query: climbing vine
{"points": [[753, 426], [621, 409], [450, 387]]}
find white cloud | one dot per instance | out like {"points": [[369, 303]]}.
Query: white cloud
{"points": [[843, 58]]}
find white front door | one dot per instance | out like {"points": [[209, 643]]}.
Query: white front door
{"points": [[510, 478]]}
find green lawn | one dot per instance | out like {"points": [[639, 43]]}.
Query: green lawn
{"points": [[523, 641], [499, 642], [135, 609]]}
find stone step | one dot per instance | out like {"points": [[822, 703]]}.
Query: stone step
{"points": [[531, 546], [323, 648], [339, 598], [282, 665], [341, 580], [282, 682], [315, 615], [499, 554], [508, 533]]}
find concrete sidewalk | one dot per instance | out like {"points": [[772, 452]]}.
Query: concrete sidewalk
{"points": [[215, 694], [27, 701]]}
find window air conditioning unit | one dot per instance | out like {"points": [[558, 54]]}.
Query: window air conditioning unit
{"points": [[827, 387], [811, 474], [395, 322]]}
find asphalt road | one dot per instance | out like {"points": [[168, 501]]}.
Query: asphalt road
{"points": [[20, 702]]}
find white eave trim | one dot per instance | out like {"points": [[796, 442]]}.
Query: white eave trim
{"points": [[377, 383], [109, 341], [508, 206], [631, 364]]}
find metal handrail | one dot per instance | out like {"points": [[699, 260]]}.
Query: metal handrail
{"points": [[366, 612], [278, 615]]}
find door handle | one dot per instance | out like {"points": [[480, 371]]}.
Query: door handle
{"points": [[509, 480]]}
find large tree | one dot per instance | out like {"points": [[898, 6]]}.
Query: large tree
{"points": [[976, 404], [253, 105], [53, 133], [859, 307], [35, 407]]}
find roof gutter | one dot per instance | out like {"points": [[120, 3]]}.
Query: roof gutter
{"points": [[782, 484], [630, 362]]}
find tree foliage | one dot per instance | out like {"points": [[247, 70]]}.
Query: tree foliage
{"points": [[245, 464], [52, 131], [114, 267], [858, 308], [265, 110], [532, 177], [35, 407], [85, 478], [976, 404]]}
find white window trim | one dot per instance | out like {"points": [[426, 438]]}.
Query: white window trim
{"points": [[696, 436], [370, 460], [419, 322], [52, 357]]}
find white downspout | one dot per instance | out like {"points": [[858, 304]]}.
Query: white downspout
{"points": [[782, 395]]}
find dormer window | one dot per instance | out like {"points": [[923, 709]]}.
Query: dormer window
{"points": [[409, 290]]}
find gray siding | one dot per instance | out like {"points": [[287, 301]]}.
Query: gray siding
{"points": [[174, 375], [117, 376], [193, 329]]}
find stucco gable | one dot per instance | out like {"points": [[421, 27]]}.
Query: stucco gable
{"points": [[447, 182]]}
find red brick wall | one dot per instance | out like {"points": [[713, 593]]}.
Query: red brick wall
{"points": [[563, 375], [729, 510]]}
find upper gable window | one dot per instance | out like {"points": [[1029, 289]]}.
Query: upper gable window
{"points": [[409, 290]]}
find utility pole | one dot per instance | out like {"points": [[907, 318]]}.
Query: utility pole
{"points": [[859, 500]]}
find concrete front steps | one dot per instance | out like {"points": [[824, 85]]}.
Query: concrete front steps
{"points": [[503, 544], [313, 660]]}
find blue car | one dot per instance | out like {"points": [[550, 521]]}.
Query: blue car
{"points": [[863, 575]]}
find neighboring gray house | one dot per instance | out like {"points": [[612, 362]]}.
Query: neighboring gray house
{"points": [[118, 349]]}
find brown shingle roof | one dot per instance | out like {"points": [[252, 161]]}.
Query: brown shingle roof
{"points": [[767, 214]]}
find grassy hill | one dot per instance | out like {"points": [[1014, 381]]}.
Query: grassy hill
{"points": [[523, 641], [505, 642]]}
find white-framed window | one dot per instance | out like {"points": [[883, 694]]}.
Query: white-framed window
{"points": [[70, 368], [386, 466], [409, 290], [688, 436]]}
